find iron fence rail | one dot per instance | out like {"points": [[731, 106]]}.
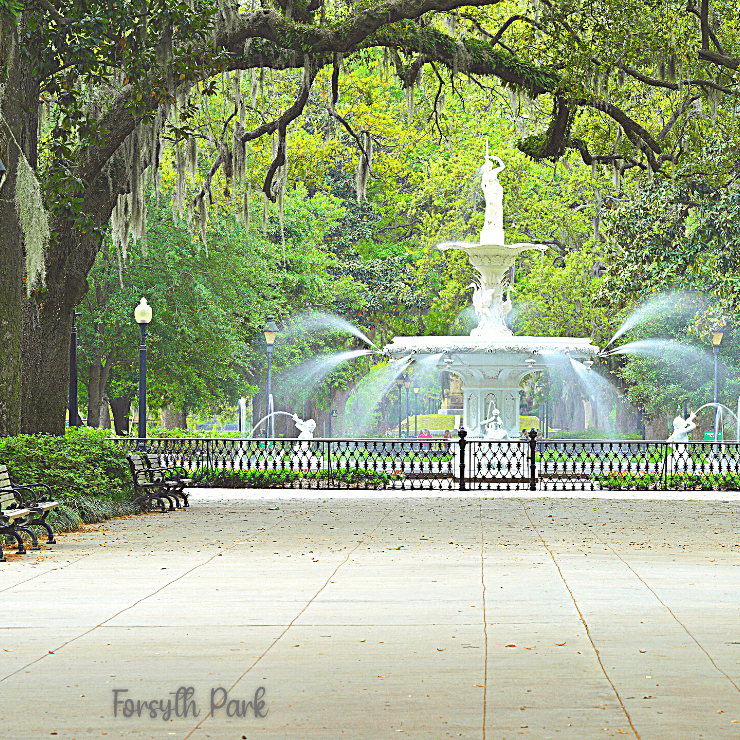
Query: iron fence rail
{"points": [[455, 464]]}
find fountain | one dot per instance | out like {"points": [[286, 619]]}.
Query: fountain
{"points": [[491, 362]]}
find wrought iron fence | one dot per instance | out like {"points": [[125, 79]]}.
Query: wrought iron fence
{"points": [[454, 464]]}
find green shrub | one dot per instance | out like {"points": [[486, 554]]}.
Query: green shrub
{"points": [[673, 481], [85, 471], [207, 478]]}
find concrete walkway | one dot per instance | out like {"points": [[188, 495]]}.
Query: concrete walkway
{"points": [[375, 618]]}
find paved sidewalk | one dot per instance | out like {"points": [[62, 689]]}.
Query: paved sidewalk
{"points": [[375, 618]]}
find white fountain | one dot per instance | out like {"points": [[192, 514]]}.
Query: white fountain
{"points": [[491, 362]]}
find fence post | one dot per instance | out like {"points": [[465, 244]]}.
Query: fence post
{"points": [[328, 465], [462, 432], [532, 459]]}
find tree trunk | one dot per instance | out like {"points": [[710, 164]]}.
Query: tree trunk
{"points": [[105, 414], [657, 428], [339, 402], [94, 395], [11, 248], [47, 316], [173, 418], [121, 408]]}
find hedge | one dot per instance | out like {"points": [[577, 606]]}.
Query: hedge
{"points": [[87, 474]]}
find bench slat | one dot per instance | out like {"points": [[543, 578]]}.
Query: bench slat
{"points": [[16, 513]]}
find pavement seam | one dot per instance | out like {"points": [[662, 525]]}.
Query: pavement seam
{"points": [[585, 624], [46, 572], [310, 601], [138, 601], [664, 605], [485, 621]]}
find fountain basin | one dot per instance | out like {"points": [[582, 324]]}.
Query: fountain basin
{"points": [[491, 369]]}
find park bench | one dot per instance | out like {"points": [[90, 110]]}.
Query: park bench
{"points": [[171, 477], [20, 511], [156, 484]]}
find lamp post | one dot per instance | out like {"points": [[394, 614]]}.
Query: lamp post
{"points": [[717, 335], [416, 409], [74, 413], [143, 315], [407, 385], [270, 331], [399, 384]]}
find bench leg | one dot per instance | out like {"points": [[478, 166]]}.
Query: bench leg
{"points": [[3, 559], [34, 540], [18, 539], [153, 497], [49, 531]]}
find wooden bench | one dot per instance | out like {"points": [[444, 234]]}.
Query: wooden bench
{"points": [[21, 507]]}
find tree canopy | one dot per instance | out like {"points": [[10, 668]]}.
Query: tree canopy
{"points": [[99, 102]]}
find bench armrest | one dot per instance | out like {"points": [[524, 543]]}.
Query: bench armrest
{"points": [[31, 486], [27, 502]]}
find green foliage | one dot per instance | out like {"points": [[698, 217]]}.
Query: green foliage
{"points": [[672, 481], [82, 464], [207, 478], [676, 236]]}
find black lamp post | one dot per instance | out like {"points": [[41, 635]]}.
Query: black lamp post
{"points": [[407, 385], [143, 315], [416, 409], [270, 331], [399, 384], [717, 335], [74, 413]]}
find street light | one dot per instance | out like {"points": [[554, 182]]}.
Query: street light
{"points": [[399, 384], [74, 413], [717, 335], [143, 315], [407, 385], [270, 331], [416, 409]]}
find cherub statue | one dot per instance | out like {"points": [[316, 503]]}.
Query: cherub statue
{"points": [[494, 426], [682, 427], [306, 428]]}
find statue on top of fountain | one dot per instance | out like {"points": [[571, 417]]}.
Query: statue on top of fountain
{"points": [[493, 220], [492, 257]]}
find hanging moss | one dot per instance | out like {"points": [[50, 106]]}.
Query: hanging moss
{"points": [[34, 223]]}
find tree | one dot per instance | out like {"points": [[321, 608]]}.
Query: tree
{"points": [[680, 240], [117, 78]]}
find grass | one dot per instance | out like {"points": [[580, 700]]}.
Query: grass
{"points": [[440, 422]]}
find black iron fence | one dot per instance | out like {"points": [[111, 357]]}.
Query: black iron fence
{"points": [[455, 464]]}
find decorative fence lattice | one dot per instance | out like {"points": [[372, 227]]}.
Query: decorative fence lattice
{"points": [[455, 464]]}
